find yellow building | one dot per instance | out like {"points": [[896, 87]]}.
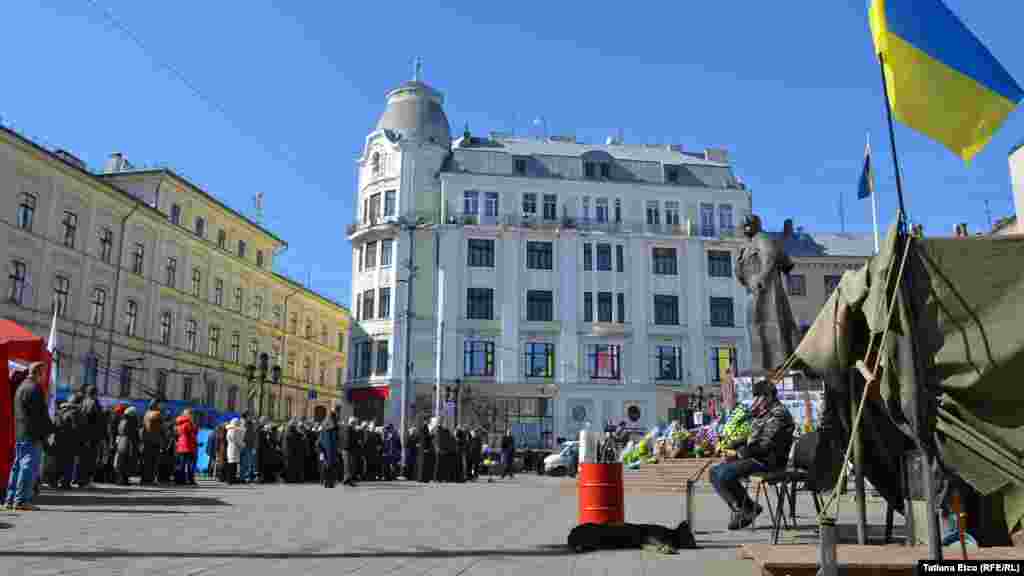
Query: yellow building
{"points": [[159, 287]]}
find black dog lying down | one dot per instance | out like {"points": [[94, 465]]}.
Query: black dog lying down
{"points": [[587, 537]]}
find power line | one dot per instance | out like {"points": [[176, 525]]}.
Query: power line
{"points": [[279, 154]]}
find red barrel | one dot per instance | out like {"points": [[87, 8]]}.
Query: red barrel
{"points": [[601, 494]]}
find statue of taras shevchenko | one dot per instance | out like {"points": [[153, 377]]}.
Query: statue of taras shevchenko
{"points": [[759, 268]]}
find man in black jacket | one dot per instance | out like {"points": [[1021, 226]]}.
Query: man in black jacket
{"points": [[476, 448], [349, 446], [425, 458], [32, 425], [508, 450], [93, 437], [765, 450]]}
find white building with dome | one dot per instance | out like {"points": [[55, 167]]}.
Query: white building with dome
{"points": [[582, 283]]}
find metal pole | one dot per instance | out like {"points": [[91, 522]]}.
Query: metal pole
{"points": [[440, 343], [117, 286], [858, 465], [404, 409], [892, 145]]}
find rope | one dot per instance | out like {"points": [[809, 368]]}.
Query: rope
{"points": [[855, 426]]}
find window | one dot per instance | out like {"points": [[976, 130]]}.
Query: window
{"points": [[603, 361], [540, 360], [165, 328], [323, 334], [370, 254], [480, 303], [131, 315], [200, 227], [99, 306], [384, 305], [725, 218], [721, 359], [340, 379], [588, 257], [257, 307], [62, 294], [293, 323], [389, 203], [126, 381], [232, 399], [586, 208], [470, 202], [539, 255], [106, 240], [386, 248], [17, 275], [254, 355], [672, 213], [529, 204], [236, 346], [604, 257], [590, 170], [604, 306], [138, 256], [666, 309], [213, 342], [521, 166], [238, 298], [375, 164], [170, 270], [26, 211], [550, 207], [222, 239], [478, 358], [366, 210], [620, 258], [672, 174], [382, 357], [719, 264], [70, 225], [588, 306], [191, 336], [375, 207], [653, 217], [367, 305], [621, 316], [664, 261], [491, 204], [606, 171], [277, 315], [540, 306], [341, 341], [797, 284], [309, 326], [241, 248], [831, 282], [363, 359], [618, 210], [601, 209], [197, 282], [218, 292], [307, 370], [161, 384], [722, 312], [707, 220], [175, 214], [323, 374], [668, 365], [259, 258], [186, 388]]}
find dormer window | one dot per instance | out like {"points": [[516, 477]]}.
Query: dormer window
{"points": [[672, 174], [375, 164], [606, 171], [590, 170], [200, 227], [521, 166]]}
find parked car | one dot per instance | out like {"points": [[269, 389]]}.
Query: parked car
{"points": [[565, 462]]}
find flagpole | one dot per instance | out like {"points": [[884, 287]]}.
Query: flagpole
{"points": [[892, 143], [874, 202]]}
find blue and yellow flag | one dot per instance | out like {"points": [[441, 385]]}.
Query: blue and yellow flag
{"points": [[867, 186], [942, 81]]}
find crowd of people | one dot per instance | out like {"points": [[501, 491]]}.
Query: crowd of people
{"points": [[86, 443]]}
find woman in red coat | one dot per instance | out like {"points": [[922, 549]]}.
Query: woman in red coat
{"points": [[186, 447]]}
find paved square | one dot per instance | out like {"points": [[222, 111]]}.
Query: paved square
{"points": [[511, 526]]}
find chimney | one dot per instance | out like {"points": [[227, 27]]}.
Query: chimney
{"points": [[720, 155], [115, 163], [1017, 179], [787, 229]]}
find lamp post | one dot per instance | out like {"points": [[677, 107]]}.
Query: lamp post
{"points": [[275, 375], [410, 227]]}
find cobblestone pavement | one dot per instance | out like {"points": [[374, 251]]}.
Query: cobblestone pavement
{"points": [[511, 526]]}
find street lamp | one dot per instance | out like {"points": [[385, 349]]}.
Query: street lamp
{"points": [[275, 372]]}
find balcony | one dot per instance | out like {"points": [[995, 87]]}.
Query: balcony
{"points": [[424, 218]]}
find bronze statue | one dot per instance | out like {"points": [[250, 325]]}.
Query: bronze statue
{"points": [[774, 334]]}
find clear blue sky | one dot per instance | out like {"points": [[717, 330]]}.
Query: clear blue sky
{"points": [[789, 88]]}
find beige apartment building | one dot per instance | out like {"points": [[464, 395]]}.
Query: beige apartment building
{"points": [[159, 287]]}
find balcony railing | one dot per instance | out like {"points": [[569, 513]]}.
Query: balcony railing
{"points": [[423, 218]]}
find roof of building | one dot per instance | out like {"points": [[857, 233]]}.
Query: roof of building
{"points": [[1004, 223], [556, 147], [806, 244], [414, 111]]}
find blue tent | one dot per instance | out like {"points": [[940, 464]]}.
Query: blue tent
{"points": [[203, 461]]}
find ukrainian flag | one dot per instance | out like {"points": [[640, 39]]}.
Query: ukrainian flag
{"points": [[941, 79]]}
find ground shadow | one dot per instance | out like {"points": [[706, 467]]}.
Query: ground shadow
{"points": [[147, 511], [99, 554], [140, 499]]}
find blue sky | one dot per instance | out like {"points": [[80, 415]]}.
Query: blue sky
{"points": [[789, 88]]}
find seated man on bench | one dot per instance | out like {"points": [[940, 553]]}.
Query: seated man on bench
{"points": [[765, 450]]}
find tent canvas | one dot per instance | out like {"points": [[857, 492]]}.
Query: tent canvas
{"points": [[21, 346]]}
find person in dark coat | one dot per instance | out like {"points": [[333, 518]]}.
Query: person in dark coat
{"points": [[425, 458], [508, 449], [294, 453], [412, 443], [92, 436], [374, 445], [269, 453], [444, 450], [32, 426], [476, 450], [461, 451], [349, 448], [392, 452], [328, 444], [311, 435], [152, 442], [60, 466], [126, 461]]}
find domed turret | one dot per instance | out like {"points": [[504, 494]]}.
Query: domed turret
{"points": [[414, 111]]}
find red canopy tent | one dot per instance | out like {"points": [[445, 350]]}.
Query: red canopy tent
{"points": [[16, 343]]}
